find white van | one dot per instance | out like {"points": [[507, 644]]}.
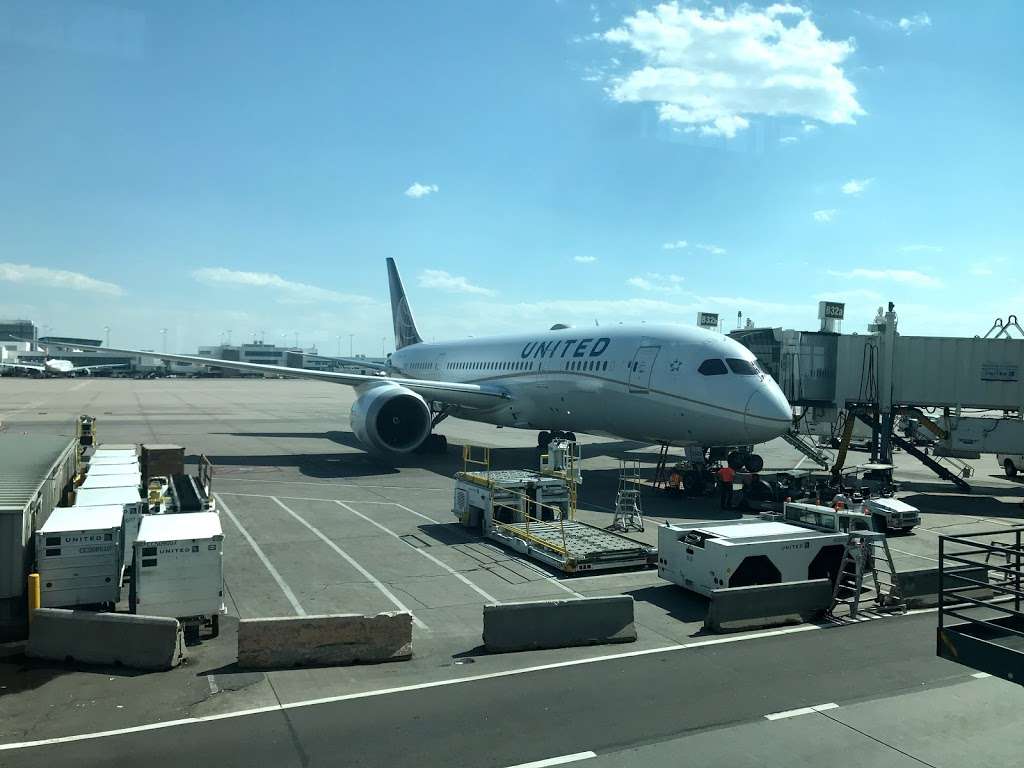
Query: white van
{"points": [[1011, 463]]}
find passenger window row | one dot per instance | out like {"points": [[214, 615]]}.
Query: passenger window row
{"points": [[506, 365]]}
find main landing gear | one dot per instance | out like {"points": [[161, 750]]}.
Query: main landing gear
{"points": [[434, 443], [751, 462], [544, 438]]}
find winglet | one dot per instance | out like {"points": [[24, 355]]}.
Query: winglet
{"points": [[405, 327]]}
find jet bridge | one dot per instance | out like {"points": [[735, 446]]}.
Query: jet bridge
{"points": [[876, 377]]}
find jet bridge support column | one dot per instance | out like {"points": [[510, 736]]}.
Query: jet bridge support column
{"points": [[882, 437]]}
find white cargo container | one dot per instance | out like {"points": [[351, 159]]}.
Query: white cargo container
{"points": [[111, 458], [179, 570], [100, 497], [124, 480], [740, 553], [79, 558], [114, 469]]}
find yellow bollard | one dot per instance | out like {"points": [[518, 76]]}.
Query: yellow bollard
{"points": [[33, 594]]}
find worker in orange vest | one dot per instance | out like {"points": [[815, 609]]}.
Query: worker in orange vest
{"points": [[726, 477]]}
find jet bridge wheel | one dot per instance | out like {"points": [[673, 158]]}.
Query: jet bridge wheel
{"points": [[1011, 469]]}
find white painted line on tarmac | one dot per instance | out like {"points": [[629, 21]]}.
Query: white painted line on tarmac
{"points": [[461, 577], [302, 498], [299, 610], [911, 554], [351, 561], [802, 711], [543, 575], [232, 478], [562, 760], [403, 689]]}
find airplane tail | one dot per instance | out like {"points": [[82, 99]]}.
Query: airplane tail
{"points": [[405, 327]]}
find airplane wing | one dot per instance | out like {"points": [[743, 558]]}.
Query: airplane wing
{"points": [[89, 368], [353, 361], [25, 366], [454, 393]]}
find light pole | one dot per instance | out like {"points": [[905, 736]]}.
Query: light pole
{"points": [[339, 345], [163, 334], [106, 330], [383, 341], [296, 339], [350, 337], [229, 337]]}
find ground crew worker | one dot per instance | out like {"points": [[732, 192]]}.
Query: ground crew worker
{"points": [[726, 476]]}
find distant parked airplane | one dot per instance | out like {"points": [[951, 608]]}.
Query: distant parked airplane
{"points": [[659, 384], [57, 367]]}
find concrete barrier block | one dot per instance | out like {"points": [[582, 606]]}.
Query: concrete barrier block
{"points": [[558, 623], [110, 639], [920, 587], [767, 605], [333, 640]]}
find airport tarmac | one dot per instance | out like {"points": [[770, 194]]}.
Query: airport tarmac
{"points": [[313, 525]]}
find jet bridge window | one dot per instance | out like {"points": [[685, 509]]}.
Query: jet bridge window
{"points": [[712, 367], [742, 367]]}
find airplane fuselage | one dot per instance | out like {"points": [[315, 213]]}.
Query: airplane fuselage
{"points": [[640, 382]]}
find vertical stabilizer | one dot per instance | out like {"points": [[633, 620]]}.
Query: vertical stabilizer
{"points": [[405, 326]]}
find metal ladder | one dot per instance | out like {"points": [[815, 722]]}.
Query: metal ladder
{"points": [[661, 471], [812, 452], [866, 574], [628, 503]]}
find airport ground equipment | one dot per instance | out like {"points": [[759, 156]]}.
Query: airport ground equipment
{"points": [[819, 517], [530, 513], [128, 478], [807, 448], [100, 497], [563, 460], [36, 474], [529, 626], [161, 459], [629, 512], [79, 556], [973, 628], [178, 570], [736, 553], [867, 574]]}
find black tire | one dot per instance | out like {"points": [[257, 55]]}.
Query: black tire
{"points": [[442, 444], [753, 462], [570, 436], [735, 459], [1011, 470], [543, 438], [191, 634], [214, 625]]}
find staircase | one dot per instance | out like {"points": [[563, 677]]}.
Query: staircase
{"points": [[808, 449]]}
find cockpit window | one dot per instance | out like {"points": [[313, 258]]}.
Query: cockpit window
{"points": [[742, 367], [712, 367]]}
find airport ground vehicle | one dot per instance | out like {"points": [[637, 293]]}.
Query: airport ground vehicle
{"points": [[1012, 463]]}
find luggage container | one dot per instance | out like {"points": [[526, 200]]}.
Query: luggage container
{"points": [[113, 469], [122, 480], [112, 458], [178, 570], [99, 497], [79, 556]]}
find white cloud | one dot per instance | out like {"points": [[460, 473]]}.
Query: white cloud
{"points": [[56, 278], [288, 291], [825, 215], [981, 270], [584, 259], [653, 281], [809, 127], [713, 249], [920, 248], [438, 278], [421, 190], [907, 276], [714, 69], [917, 21], [674, 245], [856, 186], [852, 296], [788, 140]]}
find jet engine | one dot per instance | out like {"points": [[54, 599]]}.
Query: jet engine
{"points": [[389, 418]]}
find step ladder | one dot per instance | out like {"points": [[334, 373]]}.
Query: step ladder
{"points": [[809, 450], [866, 574], [661, 471], [629, 513]]}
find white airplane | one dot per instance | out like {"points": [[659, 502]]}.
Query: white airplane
{"points": [[657, 384], [56, 367]]}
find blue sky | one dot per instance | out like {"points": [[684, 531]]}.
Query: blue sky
{"points": [[203, 167]]}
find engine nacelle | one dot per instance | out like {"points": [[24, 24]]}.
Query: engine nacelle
{"points": [[390, 418]]}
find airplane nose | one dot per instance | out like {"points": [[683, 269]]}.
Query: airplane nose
{"points": [[768, 414]]}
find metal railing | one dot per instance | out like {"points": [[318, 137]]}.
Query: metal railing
{"points": [[995, 603], [521, 528]]}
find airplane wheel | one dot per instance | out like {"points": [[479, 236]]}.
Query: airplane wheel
{"points": [[543, 438], [570, 436], [735, 459], [440, 444], [753, 462]]}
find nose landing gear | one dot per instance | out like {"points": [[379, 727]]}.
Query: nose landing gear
{"points": [[740, 460]]}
